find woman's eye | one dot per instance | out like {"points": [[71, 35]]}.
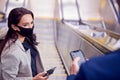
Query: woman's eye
{"points": [[25, 25]]}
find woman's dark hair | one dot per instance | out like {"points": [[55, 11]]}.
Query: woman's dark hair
{"points": [[14, 18], [118, 2]]}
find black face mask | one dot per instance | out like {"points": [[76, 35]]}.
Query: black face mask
{"points": [[26, 32]]}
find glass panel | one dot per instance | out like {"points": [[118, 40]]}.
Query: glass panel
{"points": [[70, 10]]}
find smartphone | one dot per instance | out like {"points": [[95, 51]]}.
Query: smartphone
{"points": [[78, 53], [49, 72]]}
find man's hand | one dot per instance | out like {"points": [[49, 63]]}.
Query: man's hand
{"points": [[74, 68]]}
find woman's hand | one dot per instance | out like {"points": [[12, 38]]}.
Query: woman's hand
{"points": [[74, 68], [40, 76]]}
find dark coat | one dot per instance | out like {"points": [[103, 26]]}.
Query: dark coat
{"points": [[106, 67]]}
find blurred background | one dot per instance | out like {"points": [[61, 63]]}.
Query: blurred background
{"points": [[62, 26]]}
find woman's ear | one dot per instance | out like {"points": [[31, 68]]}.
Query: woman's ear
{"points": [[14, 27]]}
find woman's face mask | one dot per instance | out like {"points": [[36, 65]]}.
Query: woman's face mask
{"points": [[26, 32]]}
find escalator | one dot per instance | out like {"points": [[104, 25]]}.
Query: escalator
{"points": [[44, 30]]}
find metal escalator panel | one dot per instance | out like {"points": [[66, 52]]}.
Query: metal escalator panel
{"points": [[110, 16]]}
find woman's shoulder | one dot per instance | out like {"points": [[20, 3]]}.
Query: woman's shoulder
{"points": [[12, 48]]}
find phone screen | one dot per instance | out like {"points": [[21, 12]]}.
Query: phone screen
{"points": [[78, 53]]}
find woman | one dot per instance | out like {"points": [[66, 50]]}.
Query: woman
{"points": [[20, 59]]}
